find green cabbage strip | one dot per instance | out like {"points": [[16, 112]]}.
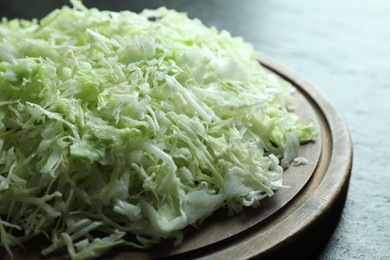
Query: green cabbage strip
{"points": [[122, 123]]}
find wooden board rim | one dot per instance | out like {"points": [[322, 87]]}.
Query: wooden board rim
{"points": [[322, 209], [316, 208]]}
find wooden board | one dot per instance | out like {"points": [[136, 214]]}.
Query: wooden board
{"points": [[297, 220], [294, 222]]}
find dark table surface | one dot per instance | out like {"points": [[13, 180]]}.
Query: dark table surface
{"points": [[343, 46]]}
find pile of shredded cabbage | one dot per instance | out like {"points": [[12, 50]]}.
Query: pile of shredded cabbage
{"points": [[121, 123]]}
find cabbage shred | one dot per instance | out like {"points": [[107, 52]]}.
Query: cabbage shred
{"points": [[122, 123]]}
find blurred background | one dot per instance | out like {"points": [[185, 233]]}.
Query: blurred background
{"points": [[343, 46]]}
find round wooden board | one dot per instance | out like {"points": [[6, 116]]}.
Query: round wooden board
{"points": [[295, 221]]}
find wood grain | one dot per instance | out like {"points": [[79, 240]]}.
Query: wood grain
{"points": [[296, 220]]}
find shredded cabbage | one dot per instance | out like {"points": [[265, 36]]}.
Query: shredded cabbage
{"points": [[121, 123]]}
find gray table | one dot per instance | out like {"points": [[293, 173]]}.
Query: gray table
{"points": [[344, 48]]}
